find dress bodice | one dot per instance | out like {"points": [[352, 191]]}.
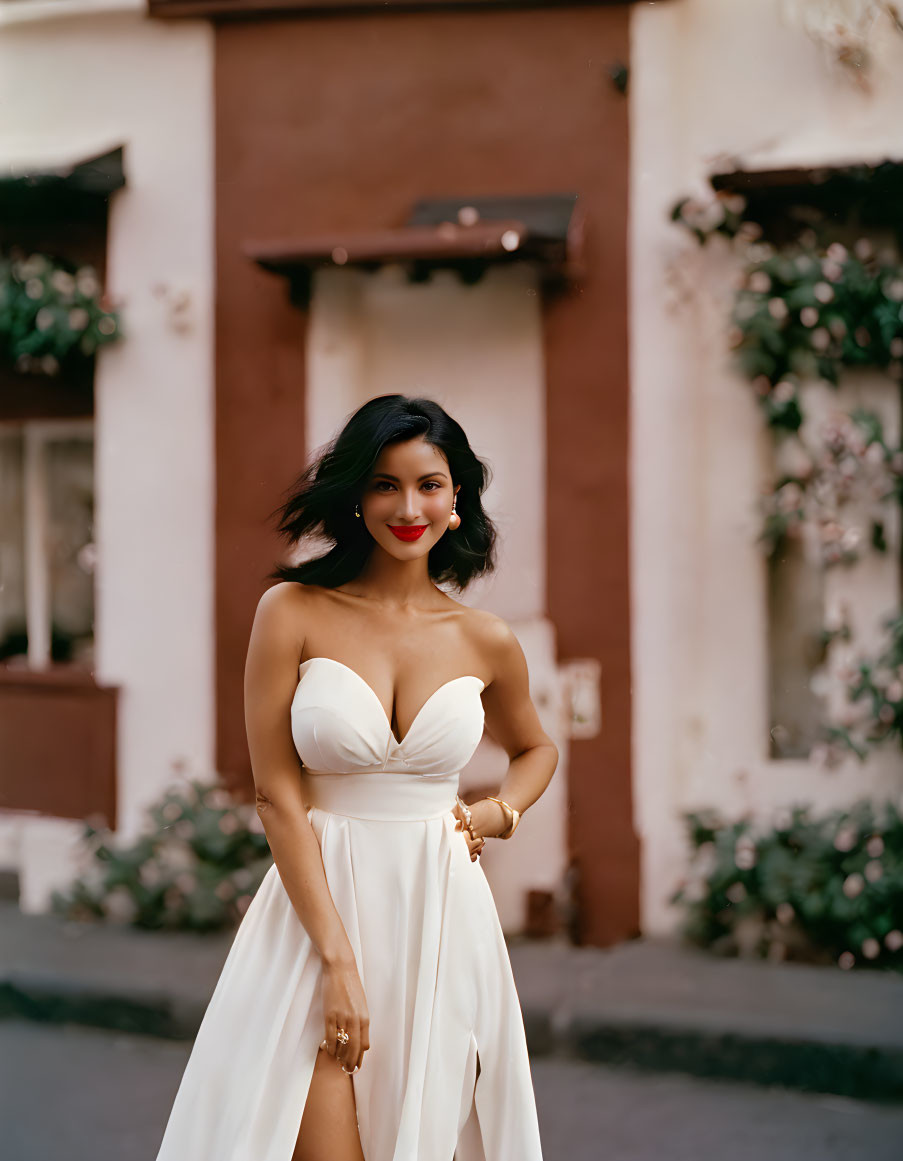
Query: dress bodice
{"points": [[339, 725]]}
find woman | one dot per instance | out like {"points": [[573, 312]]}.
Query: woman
{"points": [[366, 1010]]}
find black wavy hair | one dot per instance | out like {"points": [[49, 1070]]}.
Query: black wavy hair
{"points": [[322, 499]]}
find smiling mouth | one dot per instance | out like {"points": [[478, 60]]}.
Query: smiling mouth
{"points": [[408, 531]]}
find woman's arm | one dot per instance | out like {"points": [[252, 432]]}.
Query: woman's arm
{"points": [[270, 681], [511, 719]]}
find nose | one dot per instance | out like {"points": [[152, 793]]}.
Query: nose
{"points": [[410, 508]]}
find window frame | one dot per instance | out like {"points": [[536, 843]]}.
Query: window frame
{"points": [[37, 434]]}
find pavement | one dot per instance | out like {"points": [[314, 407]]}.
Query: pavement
{"points": [[85, 1094], [646, 1005]]}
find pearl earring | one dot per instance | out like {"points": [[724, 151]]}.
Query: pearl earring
{"points": [[454, 521]]}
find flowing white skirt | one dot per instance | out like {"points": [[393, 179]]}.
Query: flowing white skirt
{"points": [[436, 975]]}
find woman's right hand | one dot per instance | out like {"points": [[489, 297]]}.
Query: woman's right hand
{"points": [[345, 1006]]}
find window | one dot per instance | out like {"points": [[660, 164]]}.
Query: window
{"points": [[47, 543]]}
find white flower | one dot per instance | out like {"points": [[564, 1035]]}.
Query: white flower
{"points": [[736, 892], [808, 316], [62, 282], [86, 282], [785, 912], [149, 874], [777, 308], [120, 905], [748, 232], [30, 267], [873, 870], [734, 203], [846, 838], [871, 948], [34, 288], [875, 846], [823, 291], [176, 856], [893, 941], [853, 885], [759, 282], [784, 391], [845, 960], [820, 339], [78, 319], [863, 249], [837, 327], [762, 386]]}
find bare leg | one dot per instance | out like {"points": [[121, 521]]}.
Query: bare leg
{"points": [[329, 1125]]}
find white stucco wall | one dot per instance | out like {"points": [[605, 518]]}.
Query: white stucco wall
{"points": [[477, 350], [716, 85], [74, 84]]}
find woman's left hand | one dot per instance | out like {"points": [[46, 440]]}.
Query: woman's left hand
{"points": [[486, 819]]}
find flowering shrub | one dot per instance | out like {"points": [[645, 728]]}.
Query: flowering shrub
{"points": [[196, 867], [50, 312], [803, 310], [826, 889], [802, 313], [716, 213], [875, 695], [842, 488]]}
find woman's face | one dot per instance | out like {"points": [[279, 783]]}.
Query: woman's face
{"points": [[410, 491]]}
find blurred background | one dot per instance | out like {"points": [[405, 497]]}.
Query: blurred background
{"points": [[649, 256]]}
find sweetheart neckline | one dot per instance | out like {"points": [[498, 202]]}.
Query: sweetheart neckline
{"points": [[398, 742]]}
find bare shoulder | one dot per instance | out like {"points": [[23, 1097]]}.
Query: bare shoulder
{"points": [[284, 609], [285, 597], [495, 640]]}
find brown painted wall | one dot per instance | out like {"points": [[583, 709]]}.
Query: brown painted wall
{"points": [[58, 723], [324, 125]]}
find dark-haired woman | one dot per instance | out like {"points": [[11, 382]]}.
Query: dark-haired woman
{"points": [[367, 1010]]}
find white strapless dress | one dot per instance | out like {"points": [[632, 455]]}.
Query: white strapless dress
{"points": [[447, 1077]]}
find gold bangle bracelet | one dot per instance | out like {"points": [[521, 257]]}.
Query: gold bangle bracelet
{"points": [[512, 816]]}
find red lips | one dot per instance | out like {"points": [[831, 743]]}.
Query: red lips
{"points": [[408, 531]]}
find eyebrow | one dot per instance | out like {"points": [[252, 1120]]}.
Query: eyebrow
{"points": [[386, 476]]}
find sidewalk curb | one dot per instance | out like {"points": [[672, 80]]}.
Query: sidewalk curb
{"points": [[864, 1072], [56, 1000]]}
